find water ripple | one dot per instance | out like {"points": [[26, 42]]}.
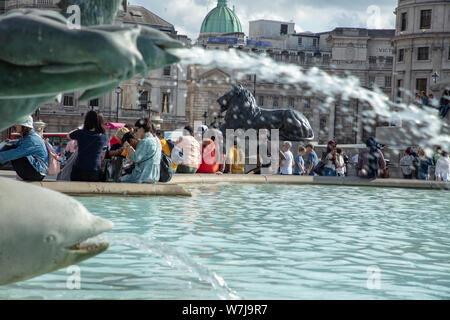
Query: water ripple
{"points": [[265, 242]]}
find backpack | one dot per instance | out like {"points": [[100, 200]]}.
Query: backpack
{"points": [[165, 171], [54, 166]]}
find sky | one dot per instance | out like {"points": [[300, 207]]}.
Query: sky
{"points": [[308, 15]]}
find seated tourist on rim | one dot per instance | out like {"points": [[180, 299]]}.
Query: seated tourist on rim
{"points": [[91, 141], [235, 159], [209, 162], [28, 154], [192, 157], [146, 157]]}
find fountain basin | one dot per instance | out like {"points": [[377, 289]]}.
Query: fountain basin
{"points": [[263, 241]]}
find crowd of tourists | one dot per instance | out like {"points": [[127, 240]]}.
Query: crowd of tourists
{"points": [[415, 164], [442, 105], [141, 154], [134, 154], [369, 163]]}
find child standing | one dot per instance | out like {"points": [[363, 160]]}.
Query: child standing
{"points": [[299, 163]]}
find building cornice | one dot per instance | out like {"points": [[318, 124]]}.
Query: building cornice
{"points": [[422, 3], [417, 35]]}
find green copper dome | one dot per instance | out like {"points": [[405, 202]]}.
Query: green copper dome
{"points": [[221, 20]]}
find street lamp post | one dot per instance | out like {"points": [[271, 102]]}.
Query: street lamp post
{"points": [[220, 117], [118, 92], [149, 107], [435, 76], [214, 123]]}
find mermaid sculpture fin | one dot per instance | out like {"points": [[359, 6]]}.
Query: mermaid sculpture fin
{"points": [[98, 92], [68, 68]]}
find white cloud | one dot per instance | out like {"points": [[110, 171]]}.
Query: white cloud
{"points": [[308, 15]]}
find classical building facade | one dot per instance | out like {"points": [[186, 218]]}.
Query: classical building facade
{"points": [[422, 48], [422, 63], [6, 5], [364, 53]]}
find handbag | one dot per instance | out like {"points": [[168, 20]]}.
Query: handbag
{"points": [[319, 168], [385, 174]]}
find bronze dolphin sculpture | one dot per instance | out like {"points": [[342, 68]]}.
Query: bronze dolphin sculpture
{"points": [[94, 59]]}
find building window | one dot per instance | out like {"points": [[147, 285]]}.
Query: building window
{"points": [[284, 29], [371, 82], [314, 43], [372, 60], [389, 61], [425, 19], [401, 55], [68, 100], [166, 71], [387, 81], [275, 102], [307, 103], [300, 41], [291, 102], [323, 123], [421, 85], [403, 25], [261, 101], [422, 53], [94, 103], [448, 53], [143, 100], [165, 103]]}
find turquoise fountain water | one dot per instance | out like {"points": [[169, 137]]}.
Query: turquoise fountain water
{"points": [[295, 242]]}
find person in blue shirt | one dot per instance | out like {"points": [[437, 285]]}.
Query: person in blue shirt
{"points": [[299, 166], [147, 157], [424, 166], [91, 141], [28, 154], [444, 105], [311, 160]]}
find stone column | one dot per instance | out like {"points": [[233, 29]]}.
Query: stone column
{"points": [[331, 120], [316, 119], [408, 80]]}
